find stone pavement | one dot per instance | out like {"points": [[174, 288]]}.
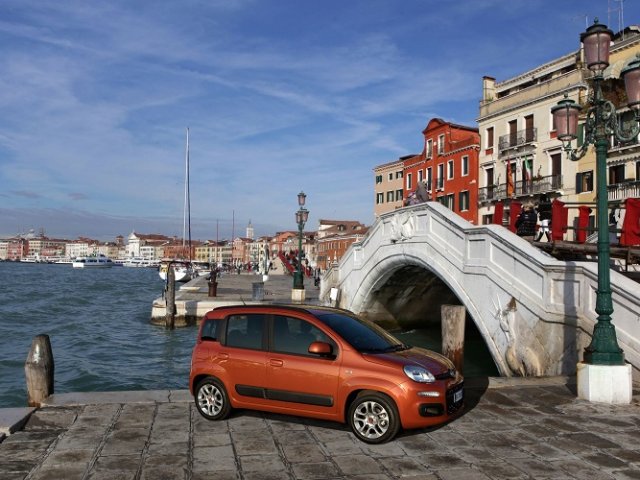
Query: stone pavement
{"points": [[522, 429]]}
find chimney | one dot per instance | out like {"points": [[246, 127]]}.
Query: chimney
{"points": [[488, 89]]}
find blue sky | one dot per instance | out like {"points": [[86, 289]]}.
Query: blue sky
{"points": [[279, 96]]}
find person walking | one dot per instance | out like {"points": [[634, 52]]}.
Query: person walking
{"points": [[544, 214], [526, 223]]}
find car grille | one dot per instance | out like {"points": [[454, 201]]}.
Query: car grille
{"points": [[452, 406]]}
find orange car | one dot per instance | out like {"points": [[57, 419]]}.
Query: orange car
{"points": [[323, 363]]}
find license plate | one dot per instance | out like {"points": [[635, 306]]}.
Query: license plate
{"points": [[457, 396]]}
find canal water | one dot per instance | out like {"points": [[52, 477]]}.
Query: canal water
{"points": [[98, 324]]}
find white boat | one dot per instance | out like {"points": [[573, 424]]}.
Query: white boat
{"points": [[183, 270], [138, 262], [93, 261]]}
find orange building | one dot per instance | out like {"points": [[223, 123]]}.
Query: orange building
{"points": [[449, 167]]}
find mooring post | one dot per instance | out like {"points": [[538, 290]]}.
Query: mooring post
{"points": [[170, 315], [38, 370], [452, 319]]}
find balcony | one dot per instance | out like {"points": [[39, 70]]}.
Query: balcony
{"points": [[517, 139], [521, 188], [624, 190]]}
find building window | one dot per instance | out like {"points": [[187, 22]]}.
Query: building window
{"points": [[429, 148], [440, 144], [390, 176], [430, 179], [379, 198], [465, 165], [399, 174], [420, 175], [449, 201], [584, 182], [390, 196], [399, 195], [378, 179], [489, 140], [463, 201], [409, 181], [440, 177], [449, 169]]}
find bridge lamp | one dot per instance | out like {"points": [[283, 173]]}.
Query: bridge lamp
{"points": [[600, 121], [302, 215]]}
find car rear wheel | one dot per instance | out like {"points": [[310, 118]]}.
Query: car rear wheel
{"points": [[212, 400], [373, 417]]}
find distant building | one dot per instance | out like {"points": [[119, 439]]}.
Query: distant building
{"points": [[388, 186], [334, 238]]}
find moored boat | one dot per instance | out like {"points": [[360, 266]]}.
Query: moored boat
{"points": [[93, 261], [183, 270]]}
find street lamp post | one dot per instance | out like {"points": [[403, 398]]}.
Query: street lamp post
{"points": [[601, 121], [302, 215]]}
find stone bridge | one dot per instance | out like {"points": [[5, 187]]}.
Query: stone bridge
{"points": [[535, 313]]}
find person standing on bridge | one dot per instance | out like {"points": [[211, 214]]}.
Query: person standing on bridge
{"points": [[526, 223]]}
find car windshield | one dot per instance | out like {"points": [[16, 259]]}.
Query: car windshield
{"points": [[364, 336]]}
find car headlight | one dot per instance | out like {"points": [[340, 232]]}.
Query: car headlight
{"points": [[419, 374]]}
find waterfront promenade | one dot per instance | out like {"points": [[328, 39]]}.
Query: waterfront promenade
{"points": [[510, 429], [193, 302]]}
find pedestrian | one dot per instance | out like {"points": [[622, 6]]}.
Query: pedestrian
{"points": [[526, 223], [544, 214]]}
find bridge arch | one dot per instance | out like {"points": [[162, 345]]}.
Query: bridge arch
{"points": [[411, 290], [535, 313]]}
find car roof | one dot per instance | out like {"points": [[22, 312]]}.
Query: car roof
{"points": [[311, 309]]}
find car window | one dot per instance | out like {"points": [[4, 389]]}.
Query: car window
{"points": [[364, 336], [211, 330], [245, 331], [292, 335]]}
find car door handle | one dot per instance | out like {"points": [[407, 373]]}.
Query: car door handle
{"points": [[223, 356], [274, 362]]}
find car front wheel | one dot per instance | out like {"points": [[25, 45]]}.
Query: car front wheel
{"points": [[211, 399], [373, 417]]}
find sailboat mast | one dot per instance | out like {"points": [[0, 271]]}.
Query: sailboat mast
{"points": [[187, 202]]}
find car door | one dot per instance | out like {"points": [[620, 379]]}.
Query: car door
{"points": [[298, 380], [244, 358]]}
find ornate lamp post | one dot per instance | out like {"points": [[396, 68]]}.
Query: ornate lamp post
{"points": [[302, 215], [601, 122]]}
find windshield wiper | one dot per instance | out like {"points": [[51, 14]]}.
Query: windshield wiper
{"points": [[398, 348]]}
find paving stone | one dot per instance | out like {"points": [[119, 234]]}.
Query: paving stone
{"points": [[462, 474], [51, 418], [258, 443], [207, 459], [604, 461], [125, 441], [357, 464], [173, 461], [303, 453], [211, 440], [310, 471], [66, 457], [215, 474], [262, 463], [117, 463], [627, 474], [403, 466], [168, 447], [57, 472], [500, 470], [164, 473], [435, 461]]}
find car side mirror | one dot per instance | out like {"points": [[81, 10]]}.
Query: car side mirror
{"points": [[321, 348]]}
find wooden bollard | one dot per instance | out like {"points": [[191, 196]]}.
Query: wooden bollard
{"points": [[170, 315], [452, 319], [38, 370]]}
